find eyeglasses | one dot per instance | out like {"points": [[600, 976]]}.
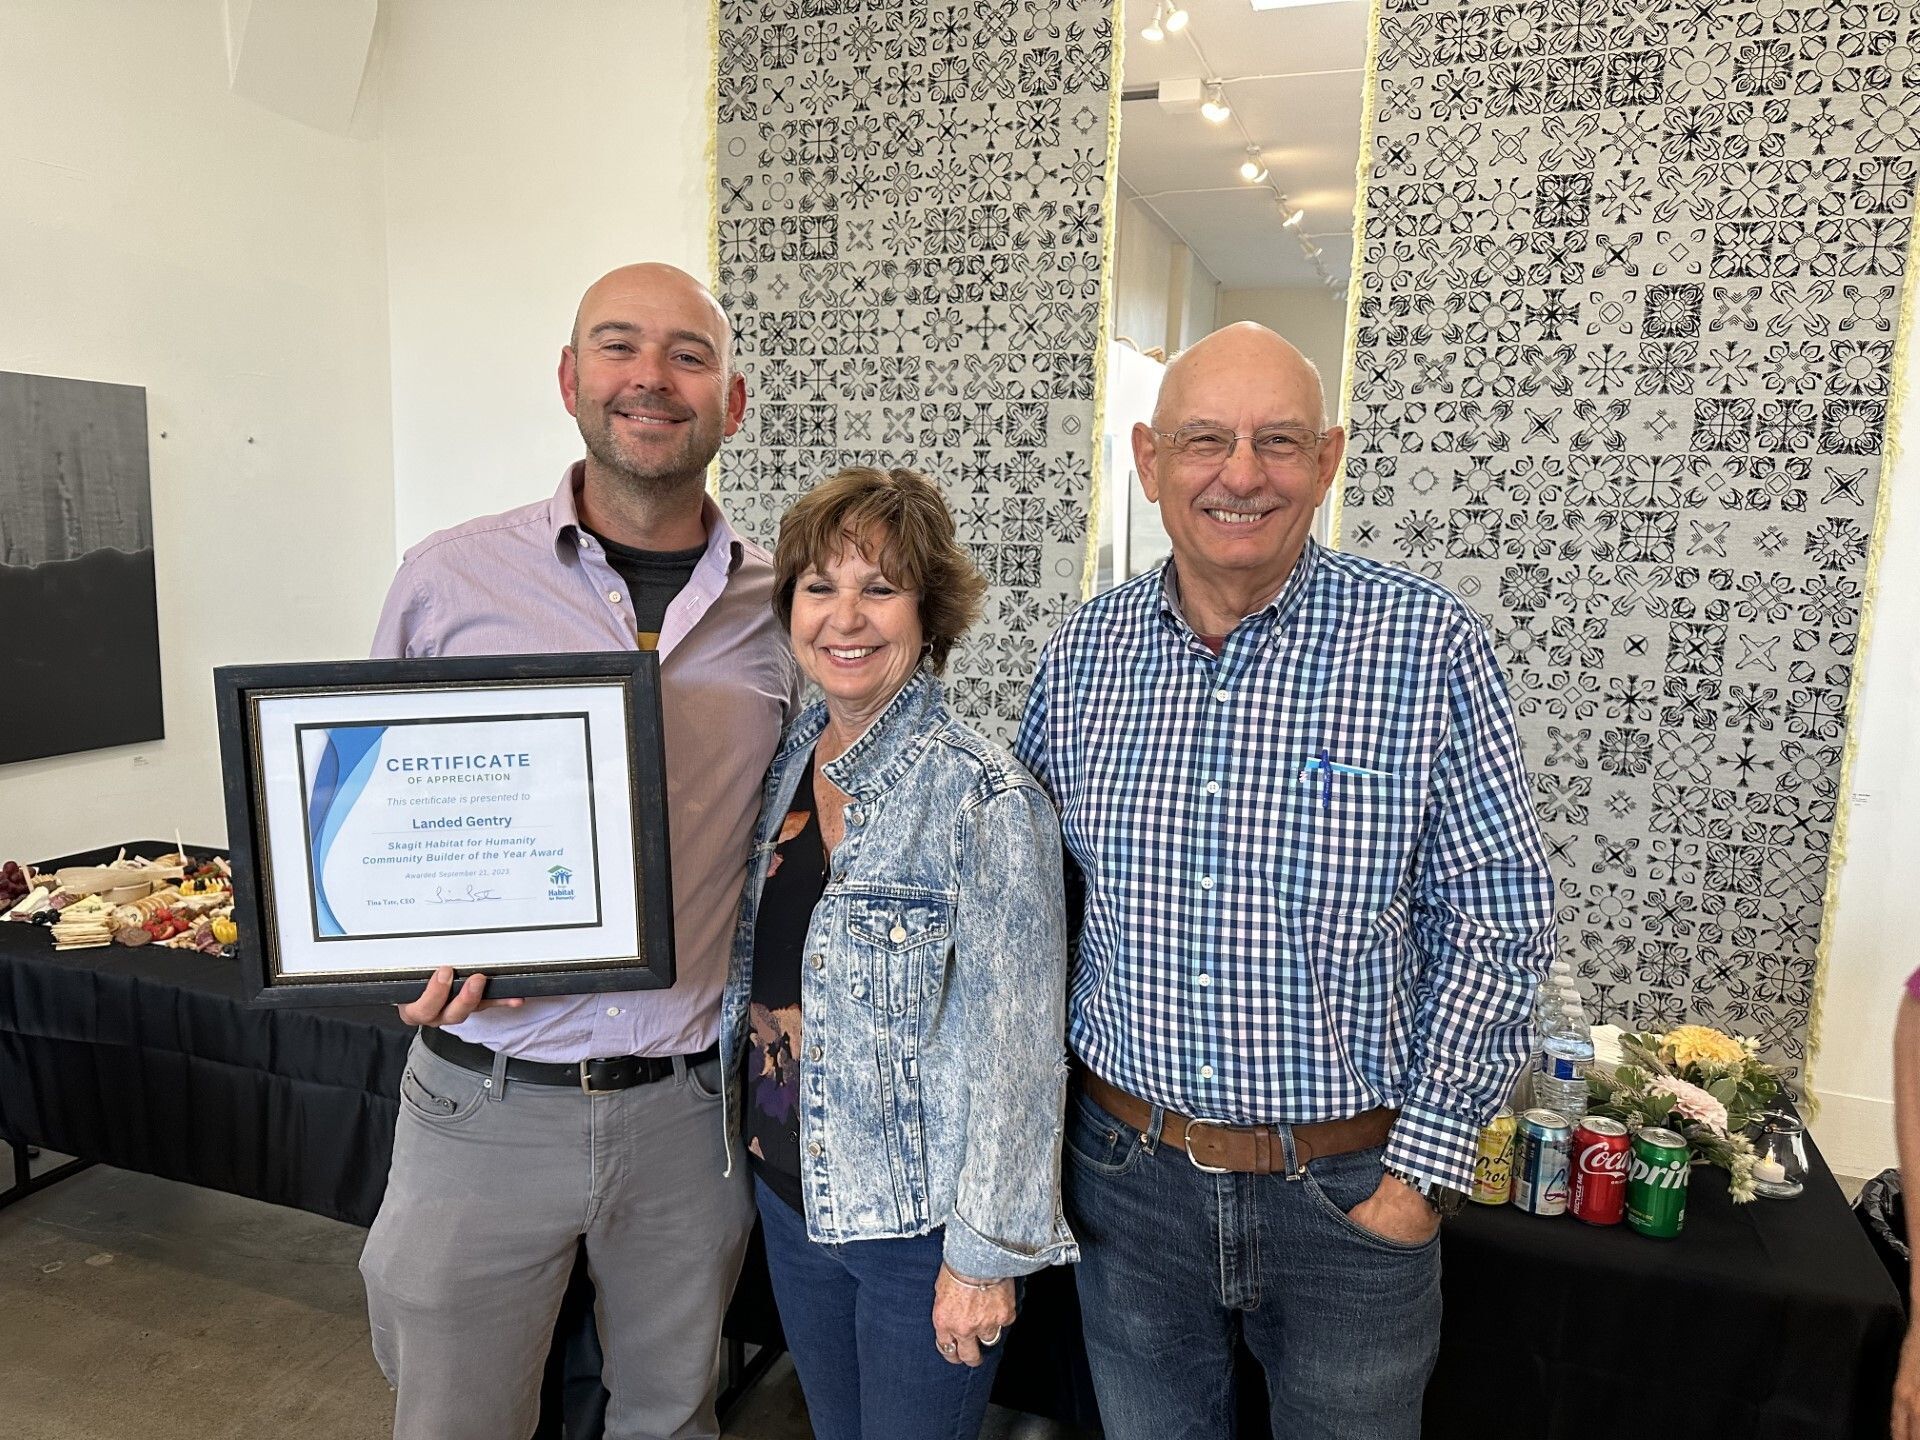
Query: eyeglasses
{"points": [[1277, 447]]}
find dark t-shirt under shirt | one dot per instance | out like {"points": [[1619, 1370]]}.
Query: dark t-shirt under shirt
{"points": [[796, 876], [653, 578]]}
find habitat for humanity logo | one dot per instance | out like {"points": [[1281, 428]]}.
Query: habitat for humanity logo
{"points": [[559, 883]]}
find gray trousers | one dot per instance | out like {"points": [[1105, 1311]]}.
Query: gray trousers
{"points": [[492, 1185]]}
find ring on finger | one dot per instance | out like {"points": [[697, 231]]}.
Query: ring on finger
{"points": [[947, 1347], [993, 1339]]}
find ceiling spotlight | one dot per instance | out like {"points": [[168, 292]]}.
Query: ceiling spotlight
{"points": [[1216, 108], [1294, 214], [1153, 34], [1176, 19], [1251, 170]]}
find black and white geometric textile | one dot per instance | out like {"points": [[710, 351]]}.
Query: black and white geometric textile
{"points": [[910, 247], [1632, 273]]}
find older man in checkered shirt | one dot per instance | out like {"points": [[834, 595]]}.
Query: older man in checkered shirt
{"points": [[1316, 910]]}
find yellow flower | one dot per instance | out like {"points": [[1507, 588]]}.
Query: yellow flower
{"points": [[1702, 1044]]}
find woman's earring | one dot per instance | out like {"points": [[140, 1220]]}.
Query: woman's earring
{"points": [[926, 655]]}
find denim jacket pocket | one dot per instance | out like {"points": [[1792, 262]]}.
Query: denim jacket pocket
{"points": [[896, 938]]}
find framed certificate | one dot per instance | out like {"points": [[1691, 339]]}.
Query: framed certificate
{"points": [[502, 814]]}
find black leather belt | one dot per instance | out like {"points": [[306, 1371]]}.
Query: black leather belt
{"points": [[617, 1072]]}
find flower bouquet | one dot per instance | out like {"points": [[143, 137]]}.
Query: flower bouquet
{"points": [[1708, 1086]]}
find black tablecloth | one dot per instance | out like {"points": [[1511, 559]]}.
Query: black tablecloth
{"points": [[150, 1059], [1768, 1321], [1772, 1321]]}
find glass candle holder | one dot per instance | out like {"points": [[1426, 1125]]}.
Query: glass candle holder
{"points": [[1780, 1150]]}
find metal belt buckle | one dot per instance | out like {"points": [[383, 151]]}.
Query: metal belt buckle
{"points": [[586, 1088], [1193, 1125]]}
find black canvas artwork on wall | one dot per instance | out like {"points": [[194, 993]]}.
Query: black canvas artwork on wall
{"points": [[79, 622]]}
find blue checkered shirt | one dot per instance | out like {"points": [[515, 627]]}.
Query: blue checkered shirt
{"points": [[1314, 879]]}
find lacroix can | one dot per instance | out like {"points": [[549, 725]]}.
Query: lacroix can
{"points": [[1493, 1161], [1657, 1183], [1540, 1146], [1598, 1192]]}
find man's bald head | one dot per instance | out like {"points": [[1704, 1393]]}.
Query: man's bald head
{"points": [[1239, 351], [1238, 458], [649, 377], [653, 281]]}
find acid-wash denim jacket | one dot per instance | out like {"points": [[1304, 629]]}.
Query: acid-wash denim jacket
{"points": [[933, 993]]}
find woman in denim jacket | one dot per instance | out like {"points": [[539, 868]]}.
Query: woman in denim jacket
{"points": [[894, 1012]]}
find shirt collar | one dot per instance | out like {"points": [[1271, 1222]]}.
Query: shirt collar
{"points": [[1274, 613], [724, 548], [888, 747]]}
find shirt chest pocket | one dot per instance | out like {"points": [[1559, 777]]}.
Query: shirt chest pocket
{"points": [[1347, 843], [896, 944]]}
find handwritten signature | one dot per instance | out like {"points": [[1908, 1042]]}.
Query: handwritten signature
{"points": [[473, 895]]}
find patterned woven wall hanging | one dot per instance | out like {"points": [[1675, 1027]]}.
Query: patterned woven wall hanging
{"points": [[1626, 324], [911, 247]]}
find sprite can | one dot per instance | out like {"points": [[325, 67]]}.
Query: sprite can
{"points": [[1657, 1183], [1493, 1161]]}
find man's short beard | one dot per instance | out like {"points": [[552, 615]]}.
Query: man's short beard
{"points": [[674, 474]]}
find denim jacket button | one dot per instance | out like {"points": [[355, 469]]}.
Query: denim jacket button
{"points": [[814, 1052], [897, 934], [814, 1149], [817, 961]]}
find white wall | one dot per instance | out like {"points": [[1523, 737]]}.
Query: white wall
{"points": [[159, 231], [1877, 903], [1308, 315], [528, 149], [381, 313], [1163, 296], [1142, 263]]}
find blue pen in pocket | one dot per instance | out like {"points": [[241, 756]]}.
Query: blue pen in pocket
{"points": [[1329, 767]]}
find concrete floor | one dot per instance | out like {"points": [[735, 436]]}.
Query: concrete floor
{"points": [[139, 1309]]}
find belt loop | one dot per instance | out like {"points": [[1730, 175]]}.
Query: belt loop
{"points": [[496, 1083], [1150, 1137], [1288, 1151], [680, 1070]]}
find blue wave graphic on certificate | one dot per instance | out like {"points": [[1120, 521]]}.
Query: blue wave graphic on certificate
{"points": [[338, 781]]}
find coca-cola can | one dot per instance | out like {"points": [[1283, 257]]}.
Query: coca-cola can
{"points": [[1599, 1166]]}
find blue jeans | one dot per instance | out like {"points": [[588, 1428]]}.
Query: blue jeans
{"points": [[859, 1323], [1178, 1265]]}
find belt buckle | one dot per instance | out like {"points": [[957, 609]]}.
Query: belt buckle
{"points": [[588, 1089], [1193, 1125]]}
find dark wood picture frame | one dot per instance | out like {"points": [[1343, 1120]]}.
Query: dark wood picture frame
{"points": [[238, 688]]}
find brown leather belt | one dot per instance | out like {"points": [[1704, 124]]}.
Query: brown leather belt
{"points": [[1242, 1149]]}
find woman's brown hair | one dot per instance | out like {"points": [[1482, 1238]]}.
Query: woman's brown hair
{"points": [[904, 515]]}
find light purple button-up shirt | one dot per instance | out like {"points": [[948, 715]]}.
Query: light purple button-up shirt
{"points": [[533, 580]]}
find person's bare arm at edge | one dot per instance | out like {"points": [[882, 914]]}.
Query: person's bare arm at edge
{"points": [[1906, 1132]]}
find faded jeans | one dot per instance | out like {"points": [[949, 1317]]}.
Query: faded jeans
{"points": [[1178, 1266], [859, 1323]]}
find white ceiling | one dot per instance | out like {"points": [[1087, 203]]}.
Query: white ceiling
{"points": [[1293, 78]]}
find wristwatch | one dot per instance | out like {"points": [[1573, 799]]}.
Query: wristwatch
{"points": [[1444, 1200]]}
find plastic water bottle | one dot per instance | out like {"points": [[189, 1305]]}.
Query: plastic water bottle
{"points": [[1566, 1052], [1557, 990]]}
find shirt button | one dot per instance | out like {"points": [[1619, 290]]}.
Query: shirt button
{"points": [[817, 961], [1205, 980], [1206, 1072], [613, 1010], [814, 1052], [1221, 696], [1206, 882], [1213, 787], [613, 596]]}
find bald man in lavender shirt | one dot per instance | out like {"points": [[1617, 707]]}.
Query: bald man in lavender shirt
{"points": [[506, 1155]]}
